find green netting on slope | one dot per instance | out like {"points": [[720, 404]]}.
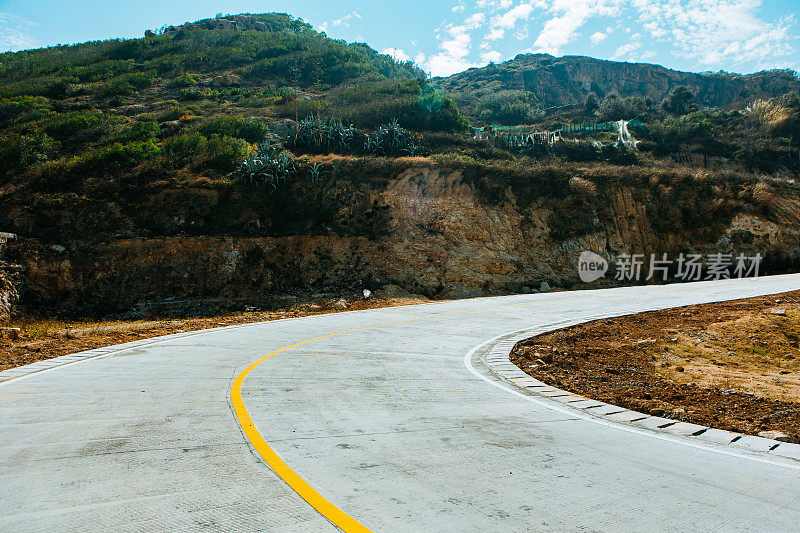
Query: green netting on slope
{"points": [[567, 128]]}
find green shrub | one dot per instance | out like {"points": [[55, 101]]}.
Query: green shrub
{"points": [[18, 152], [128, 84], [411, 111], [686, 128], [508, 107], [190, 95], [172, 113], [140, 131], [616, 108], [224, 153], [392, 140], [182, 82], [116, 157], [217, 152], [180, 150], [320, 135], [241, 128], [679, 101], [140, 80], [21, 109], [75, 126], [117, 88], [372, 101]]}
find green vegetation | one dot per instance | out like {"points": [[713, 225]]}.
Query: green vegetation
{"points": [[18, 152], [194, 98], [509, 107], [615, 108], [370, 102], [250, 130], [318, 135], [275, 129]]}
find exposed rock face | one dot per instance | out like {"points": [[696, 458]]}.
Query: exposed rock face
{"points": [[9, 290], [570, 79], [444, 239], [229, 23]]}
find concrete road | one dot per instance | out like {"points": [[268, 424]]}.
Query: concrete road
{"points": [[384, 422]]}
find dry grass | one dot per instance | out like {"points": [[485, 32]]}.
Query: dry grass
{"points": [[769, 114]]}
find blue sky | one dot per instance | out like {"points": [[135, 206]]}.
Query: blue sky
{"points": [[447, 36]]}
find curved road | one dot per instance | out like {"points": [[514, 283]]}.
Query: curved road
{"points": [[384, 421]]}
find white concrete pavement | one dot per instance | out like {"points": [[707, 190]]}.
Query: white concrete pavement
{"points": [[386, 423]]}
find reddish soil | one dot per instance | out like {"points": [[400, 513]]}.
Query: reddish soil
{"points": [[44, 339], [731, 365]]}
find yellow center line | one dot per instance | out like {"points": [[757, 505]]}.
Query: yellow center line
{"points": [[338, 517]]}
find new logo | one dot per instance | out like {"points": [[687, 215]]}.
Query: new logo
{"points": [[591, 266]]}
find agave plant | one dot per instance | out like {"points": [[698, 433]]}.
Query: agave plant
{"points": [[316, 172], [392, 140], [267, 167], [316, 134]]}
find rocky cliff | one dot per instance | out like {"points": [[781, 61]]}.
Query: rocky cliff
{"points": [[558, 81], [443, 232]]}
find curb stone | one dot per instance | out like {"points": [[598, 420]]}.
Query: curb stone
{"points": [[497, 359]]}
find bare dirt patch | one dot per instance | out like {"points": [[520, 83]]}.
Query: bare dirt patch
{"points": [[44, 339], [731, 365]]}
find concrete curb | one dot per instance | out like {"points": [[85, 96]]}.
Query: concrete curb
{"points": [[497, 358]]}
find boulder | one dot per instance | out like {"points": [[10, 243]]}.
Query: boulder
{"points": [[544, 287], [11, 333], [172, 125], [774, 435], [282, 128]]}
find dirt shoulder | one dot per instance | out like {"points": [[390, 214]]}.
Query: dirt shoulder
{"points": [[731, 365], [38, 339]]}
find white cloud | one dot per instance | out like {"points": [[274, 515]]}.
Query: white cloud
{"points": [[492, 56], [716, 33], [569, 16], [341, 21], [562, 20], [397, 53], [598, 37], [15, 33], [455, 44], [475, 21], [625, 51], [494, 4], [506, 21]]}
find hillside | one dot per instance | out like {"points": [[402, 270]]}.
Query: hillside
{"points": [[559, 81], [250, 160]]}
